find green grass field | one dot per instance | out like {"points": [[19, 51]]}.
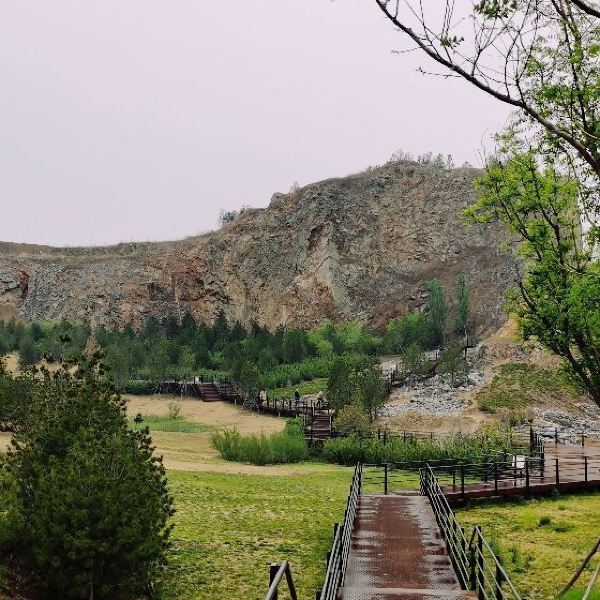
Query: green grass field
{"points": [[176, 425], [541, 542], [229, 528]]}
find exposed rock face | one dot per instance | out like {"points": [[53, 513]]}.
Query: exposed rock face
{"points": [[358, 247]]}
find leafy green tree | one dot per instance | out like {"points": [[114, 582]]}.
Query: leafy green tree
{"points": [[453, 363], [356, 379], [547, 54], [369, 391], [220, 329], [119, 364], [28, 352], [437, 308], [159, 360], [294, 345], [187, 363], [339, 382], [557, 301], [93, 499], [413, 328], [352, 420], [412, 363], [248, 379]]}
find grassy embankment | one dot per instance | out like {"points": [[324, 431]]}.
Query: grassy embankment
{"points": [[518, 386], [541, 542]]}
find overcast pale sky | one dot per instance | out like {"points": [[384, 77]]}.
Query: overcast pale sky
{"points": [[126, 120]]}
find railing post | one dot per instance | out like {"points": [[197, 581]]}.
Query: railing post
{"points": [[473, 565], [385, 479], [557, 475], [585, 463], [462, 480], [463, 547], [583, 439], [272, 574], [495, 476], [527, 475], [499, 580], [384, 437], [556, 435], [480, 563], [531, 439]]}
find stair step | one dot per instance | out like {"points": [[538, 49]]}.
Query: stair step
{"points": [[369, 593]]}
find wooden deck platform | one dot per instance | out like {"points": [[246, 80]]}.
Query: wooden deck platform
{"points": [[561, 468]]}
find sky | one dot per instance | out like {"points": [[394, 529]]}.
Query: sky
{"points": [[128, 120]]}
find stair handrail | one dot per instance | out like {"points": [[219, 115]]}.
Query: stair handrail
{"points": [[580, 571], [337, 559], [471, 560]]}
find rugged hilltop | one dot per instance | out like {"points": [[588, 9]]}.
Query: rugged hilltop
{"points": [[358, 247]]}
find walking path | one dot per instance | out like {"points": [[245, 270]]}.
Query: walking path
{"points": [[562, 467], [397, 552]]}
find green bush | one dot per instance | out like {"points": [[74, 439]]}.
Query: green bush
{"points": [[352, 420], [260, 449], [92, 498], [140, 387], [352, 450], [227, 443]]}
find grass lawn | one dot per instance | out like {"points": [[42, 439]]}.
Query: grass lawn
{"points": [[177, 425], [541, 542], [519, 385], [230, 527], [305, 387]]}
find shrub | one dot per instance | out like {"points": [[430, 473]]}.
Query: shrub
{"points": [[544, 520], [227, 443], [351, 450], [93, 500], [174, 411], [295, 427], [353, 421], [140, 387], [260, 449]]}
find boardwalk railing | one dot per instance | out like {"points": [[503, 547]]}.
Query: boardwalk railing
{"points": [[519, 475], [561, 437], [476, 565], [276, 575], [337, 558]]}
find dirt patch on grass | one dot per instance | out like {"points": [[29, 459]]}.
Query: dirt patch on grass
{"points": [[219, 415]]}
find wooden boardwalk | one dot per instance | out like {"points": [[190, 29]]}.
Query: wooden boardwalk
{"points": [[564, 468], [397, 551]]}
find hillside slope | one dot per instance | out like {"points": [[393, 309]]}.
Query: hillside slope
{"points": [[356, 247]]}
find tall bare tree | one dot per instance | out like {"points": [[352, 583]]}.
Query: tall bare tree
{"points": [[540, 56]]}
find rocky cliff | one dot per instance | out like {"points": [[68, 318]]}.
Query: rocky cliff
{"points": [[358, 247]]}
